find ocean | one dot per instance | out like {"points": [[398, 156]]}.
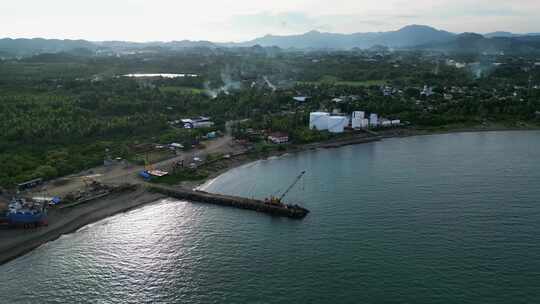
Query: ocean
{"points": [[450, 218]]}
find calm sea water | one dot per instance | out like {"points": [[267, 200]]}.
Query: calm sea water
{"points": [[433, 219]]}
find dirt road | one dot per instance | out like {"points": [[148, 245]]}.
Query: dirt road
{"points": [[118, 174]]}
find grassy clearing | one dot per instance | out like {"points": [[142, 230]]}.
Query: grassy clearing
{"points": [[152, 156], [332, 80], [178, 89]]}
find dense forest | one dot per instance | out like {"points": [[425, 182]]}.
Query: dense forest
{"points": [[60, 112]]}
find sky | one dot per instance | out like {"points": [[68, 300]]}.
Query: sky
{"points": [[241, 20]]}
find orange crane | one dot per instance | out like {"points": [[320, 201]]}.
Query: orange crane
{"points": [[279, 200]]}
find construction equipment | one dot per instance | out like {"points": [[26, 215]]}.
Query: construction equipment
{"points": [[88, 181], [278, 200], [149, 171]]}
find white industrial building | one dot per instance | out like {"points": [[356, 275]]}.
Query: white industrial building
{"points": [[364, 123], [318, 120], [374, 120], [197, 122], [322, 121], [357, 120], [386, 123], [359, 114], [337, 124]]}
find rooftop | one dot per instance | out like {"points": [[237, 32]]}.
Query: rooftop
{"points": [[278, 134]]}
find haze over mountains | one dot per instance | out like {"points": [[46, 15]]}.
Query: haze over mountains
{"points": [[412, 36]]}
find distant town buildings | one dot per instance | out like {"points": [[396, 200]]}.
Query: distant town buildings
{"points": [[324, 121], [300, 98], [196, 123], [427, 91], [278, 138], [358, 120]]}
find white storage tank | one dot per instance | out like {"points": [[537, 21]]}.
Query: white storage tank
{"points": [[318, 120], [356, 119], [364, 123], [356, 123], [346, 121], [374, 120], [358, 114], [360, 123], [336, 124]]}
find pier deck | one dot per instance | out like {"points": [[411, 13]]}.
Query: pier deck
{"points": [[291, 211]]}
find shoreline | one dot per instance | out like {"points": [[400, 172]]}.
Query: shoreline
{"points": [[16, 243], [333, 144]]}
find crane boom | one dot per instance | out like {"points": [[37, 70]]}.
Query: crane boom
{"points": [[292, 185]]}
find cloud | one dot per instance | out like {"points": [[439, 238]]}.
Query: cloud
{"points": [[227, 20]]}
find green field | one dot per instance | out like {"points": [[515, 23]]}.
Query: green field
{"points": [[178, 89], [336, 81]]}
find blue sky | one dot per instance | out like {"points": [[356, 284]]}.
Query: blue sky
{"points": [[237, 20]]}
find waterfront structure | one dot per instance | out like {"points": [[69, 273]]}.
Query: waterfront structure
{"points": [[337, 124], [374, 120], [357, 119], [319, 120], [364, 123], [274, 207]]}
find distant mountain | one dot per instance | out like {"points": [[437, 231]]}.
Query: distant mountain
{"points": [[472, 43], [139, 45], [408, 36], [501, 34], [29, 47], [412, 36]]}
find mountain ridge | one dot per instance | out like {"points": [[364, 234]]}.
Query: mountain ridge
{"points": [[411, 36]]}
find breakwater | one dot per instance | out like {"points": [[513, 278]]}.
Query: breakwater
{"points": [[291, 211]]}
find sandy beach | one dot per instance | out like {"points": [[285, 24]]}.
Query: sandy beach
{"points": [[17, 242]]}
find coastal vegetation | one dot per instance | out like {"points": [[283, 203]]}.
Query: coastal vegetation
{"points": [[62, 113]]}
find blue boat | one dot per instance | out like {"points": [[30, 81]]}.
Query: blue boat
{"points": [[145, 175], [27, 217], [24, 212]]}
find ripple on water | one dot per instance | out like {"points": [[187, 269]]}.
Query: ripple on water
{"points": [[434, 219]]}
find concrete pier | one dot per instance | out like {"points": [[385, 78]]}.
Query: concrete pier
{"points": [[291, 211]]}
